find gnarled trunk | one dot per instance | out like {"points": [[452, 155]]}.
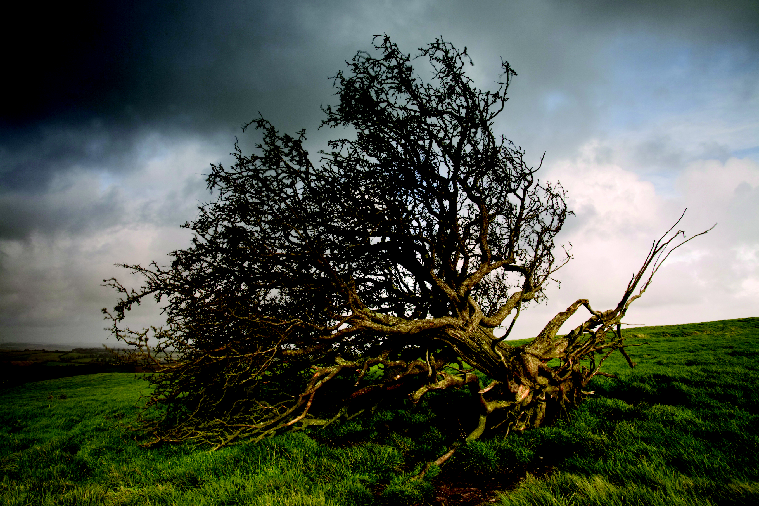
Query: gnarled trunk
{"points": [[524, 390]]}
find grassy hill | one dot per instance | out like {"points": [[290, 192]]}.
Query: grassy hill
{"points": [[21, 365], [681, 428]]}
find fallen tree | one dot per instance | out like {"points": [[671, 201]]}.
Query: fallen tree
{"points": [[313, 291]]}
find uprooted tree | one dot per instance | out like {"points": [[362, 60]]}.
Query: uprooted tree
{"points": [[313, 291]]}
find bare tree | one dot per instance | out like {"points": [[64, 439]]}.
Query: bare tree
{"points": [[314, 290]]}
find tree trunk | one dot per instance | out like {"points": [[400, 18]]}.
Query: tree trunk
{"points": [[524, 392]]}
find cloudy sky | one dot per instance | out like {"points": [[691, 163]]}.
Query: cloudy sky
{"points": [[109, 125]]}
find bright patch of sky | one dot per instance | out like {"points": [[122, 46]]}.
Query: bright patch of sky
{"points": [[705, 100]]}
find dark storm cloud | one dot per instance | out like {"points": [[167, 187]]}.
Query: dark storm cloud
{"points": [[147, 60], [131, 59], [87, 80]]}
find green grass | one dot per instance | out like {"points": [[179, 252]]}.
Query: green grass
{"points": [[681, 428]]}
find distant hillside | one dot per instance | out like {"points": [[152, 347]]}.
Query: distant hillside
{"points": [[22, 365], [49, 346]]}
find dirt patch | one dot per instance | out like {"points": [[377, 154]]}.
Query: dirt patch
{"points": [[453, 489]]}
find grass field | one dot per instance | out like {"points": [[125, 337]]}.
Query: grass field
{"points": [[682, 428]]}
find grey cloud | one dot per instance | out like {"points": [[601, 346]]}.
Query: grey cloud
{"points": [[72, 211], [33, 156], [713, 150], [742, 212], [83, 178], [151, 59], [705, 20], [658, 154]]}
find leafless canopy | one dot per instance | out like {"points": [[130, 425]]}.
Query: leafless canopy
{"points": [[313, 290]]}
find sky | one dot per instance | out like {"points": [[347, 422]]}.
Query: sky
{"points": [[114, 111]]}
